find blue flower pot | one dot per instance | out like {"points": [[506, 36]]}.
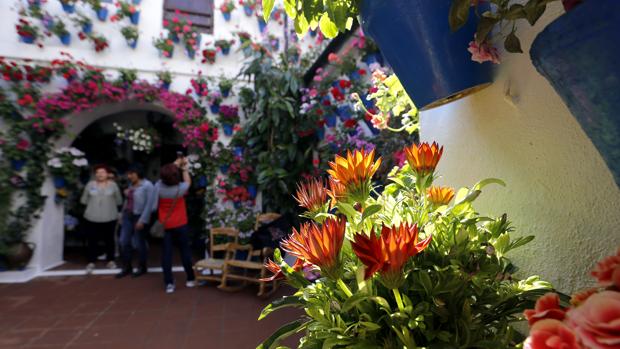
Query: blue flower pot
{"points": [[313, 33], [371, 58], [87, 28], [202, 181], [215, 108], [18, 165], [165, 85], [330, 120], [355, 76], [190, 53], [344, 112], [27, 39], [225, 51], [228, 129], [252, 190], [66, 39], [137, 2], [238, 151], [227, 16], [102, 14], [249, 11], [579, 53], [225, 93], [320, 133], [262, 25], [132, 43], [419, 28], [135, 18], [174, 37], [60, 182], [68, 8], [224, 169]]}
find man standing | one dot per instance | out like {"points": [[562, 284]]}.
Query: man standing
{"points": [[135, 219]]}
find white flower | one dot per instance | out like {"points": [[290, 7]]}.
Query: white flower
{"points": [[197, 165], [76, 152], [80, 162], [55, 163]]}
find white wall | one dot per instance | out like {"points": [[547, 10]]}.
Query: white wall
{"points": [[558, 187]]}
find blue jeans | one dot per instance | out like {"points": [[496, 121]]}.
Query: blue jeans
{"points": [[180, 236], [132, 239]]}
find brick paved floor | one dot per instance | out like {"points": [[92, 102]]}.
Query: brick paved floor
{"points": [[102, 312]]}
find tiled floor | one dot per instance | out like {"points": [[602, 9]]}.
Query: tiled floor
{"points": [[102, 312]]}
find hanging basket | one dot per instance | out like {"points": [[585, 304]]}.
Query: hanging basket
{"points": [[579, 53], [431, 61]]}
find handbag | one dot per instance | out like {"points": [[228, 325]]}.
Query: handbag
{"points": [[157, 229]]}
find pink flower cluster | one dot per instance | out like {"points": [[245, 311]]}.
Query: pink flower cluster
{"points": [[593, 320], [483, 52]]}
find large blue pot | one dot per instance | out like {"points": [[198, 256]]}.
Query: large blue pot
{"points": [[135, 18], [102, 14], [226, 16], [430, 60], [66, 39], [579, 53], [228, 129], [68, 8]]}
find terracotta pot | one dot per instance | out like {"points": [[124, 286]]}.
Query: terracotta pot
{"points": [[19, 255]]}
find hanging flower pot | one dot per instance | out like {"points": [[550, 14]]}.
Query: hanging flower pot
{"points": [[443, 69], [66, 39], [215, 108], [330, 120], [27, 39], [225, 51], [87, 28], [202, 181], [68, 7], [344, 112], [59, 182], [226, 16], [249, 11], [165, 86], [166, 54], [228, 129], [133, 43], [174, 37], [135, 18], [18, 165], [102, 14], [224, 169], [372, 58], [262, 25], [313, 33], [190, 53], [579, 53], [252, 190], [238, 151]]}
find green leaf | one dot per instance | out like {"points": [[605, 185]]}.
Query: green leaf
{"points": [[533, 11], [485, 25], [283, 332], [370, 210], [515, 12], [354, 300], [328, 28], [459, 13], [512, 43], [267, 8], [286, 301], [483, 183], [347, 209], [290, 6]]}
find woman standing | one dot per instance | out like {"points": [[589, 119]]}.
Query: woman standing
{"points": [[169, 200], [102, 198]]}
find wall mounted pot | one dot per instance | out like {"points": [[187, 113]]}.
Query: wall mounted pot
{"points": [[578, 54], [102, 14], [431, 61]]}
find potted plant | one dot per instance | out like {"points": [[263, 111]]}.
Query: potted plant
{"points": [[131, 35], [225, 86], [177, 27], [99, 42], [125, 9], [126, 77], [262, 23], [60, 29], [65, 166], [100, 9], [224, 158], [27, 32], [578, 54], [208, 55], [274, 42], [165, 79], [224, 45], [67, 69], [17, 153], [165, 47], [191, 41], [248, 6], [68, 5], [200, 85], [84, 23], [227, 8], [228, 118]]}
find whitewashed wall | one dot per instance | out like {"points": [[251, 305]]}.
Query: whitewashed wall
{"points": [[48, 231], [558, 187]]}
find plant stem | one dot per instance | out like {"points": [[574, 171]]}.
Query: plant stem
{"points": [[399, 300], [344, 288]]}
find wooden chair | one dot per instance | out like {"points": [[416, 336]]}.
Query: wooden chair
{"points": [[252, 269], [231, 235]]}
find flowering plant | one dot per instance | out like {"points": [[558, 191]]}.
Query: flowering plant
{"points": [[223, 44], [164, 76], [139, 139], [98, 41], [590, 322], [208, 55], [16, 149], [27, 95], [215, 98], [124, 9], [165, 46], [126, 77], [67, 163], [82, 21], [223, 155], [225, 85], [412, 267], [26, 29], [130, 33], [200, 85], [227, 6], [244, 36], [59, 28], [248, 3], [237, 194], [229, 114], [242, 218], [65, 68]]}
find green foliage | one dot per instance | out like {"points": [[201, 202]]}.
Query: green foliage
{"points": [[460, 292]]}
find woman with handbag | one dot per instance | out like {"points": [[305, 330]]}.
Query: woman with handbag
{"points": [[169, 200]]}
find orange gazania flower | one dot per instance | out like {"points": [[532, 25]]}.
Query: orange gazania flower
{"points": [[355, 172], [423, 158], [312, 195], [277, 271], [440, 195], [318, 245], [336, 192], [389, 252]]}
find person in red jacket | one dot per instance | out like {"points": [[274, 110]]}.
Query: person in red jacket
{"points": [[169, 201]]}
